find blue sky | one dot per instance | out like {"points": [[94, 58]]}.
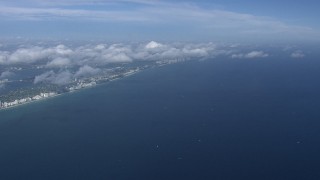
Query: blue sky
{"points": [[142, 20]]}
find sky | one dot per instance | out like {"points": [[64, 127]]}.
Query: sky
{"points": [[145, 20]]}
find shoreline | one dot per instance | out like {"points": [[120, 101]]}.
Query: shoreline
{"points": [[29, 102], [65, 93], [81, 86]]}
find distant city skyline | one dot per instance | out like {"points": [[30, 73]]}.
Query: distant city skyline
{"points": [[142, 20]]}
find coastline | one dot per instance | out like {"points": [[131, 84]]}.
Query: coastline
{"points": [[81, 85], [29, 102], [70, 91]]}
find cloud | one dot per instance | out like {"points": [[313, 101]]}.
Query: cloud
{"points": [[115, 57], [27, 55], [43, 77], [100, 47], [3, 83], [6, 74], [237, 56], [199, 50], [33, 54], [3, 57], [150, 13], [256, 54], [89, 59], [67, 3], [58, 62], [60, 78], [36, 14], [153, 45], [4, 78], [96, 55], [157, 51], [87, 71], [65, 77], [297, 54], [251, 55]]}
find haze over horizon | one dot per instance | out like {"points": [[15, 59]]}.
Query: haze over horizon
{"points": [[141, 20]]}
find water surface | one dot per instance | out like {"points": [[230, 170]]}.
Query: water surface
{"points": [[215, 119]]}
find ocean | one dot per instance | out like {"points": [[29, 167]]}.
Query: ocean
{"points": [[213, 119]]}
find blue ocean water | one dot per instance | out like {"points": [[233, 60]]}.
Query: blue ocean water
{"points": [[214, 119]]}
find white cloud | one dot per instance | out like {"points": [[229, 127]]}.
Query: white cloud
{"points": [[58, 62], [3, 83], [43, 77], [297, 54], [3, 57], [60, 78], [28, 55], [237, 56], [55, 3], [88, 58], [35, 14], [6, 74], [115, 57], [153, 45], [195, 52], [62, 50], [95, 55], [251, 55], [65, 77], [87, 71], [4, 78], [256, 54], [173, 51], [116, 53], [100, 47], [33, 54], [159, 12]]}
